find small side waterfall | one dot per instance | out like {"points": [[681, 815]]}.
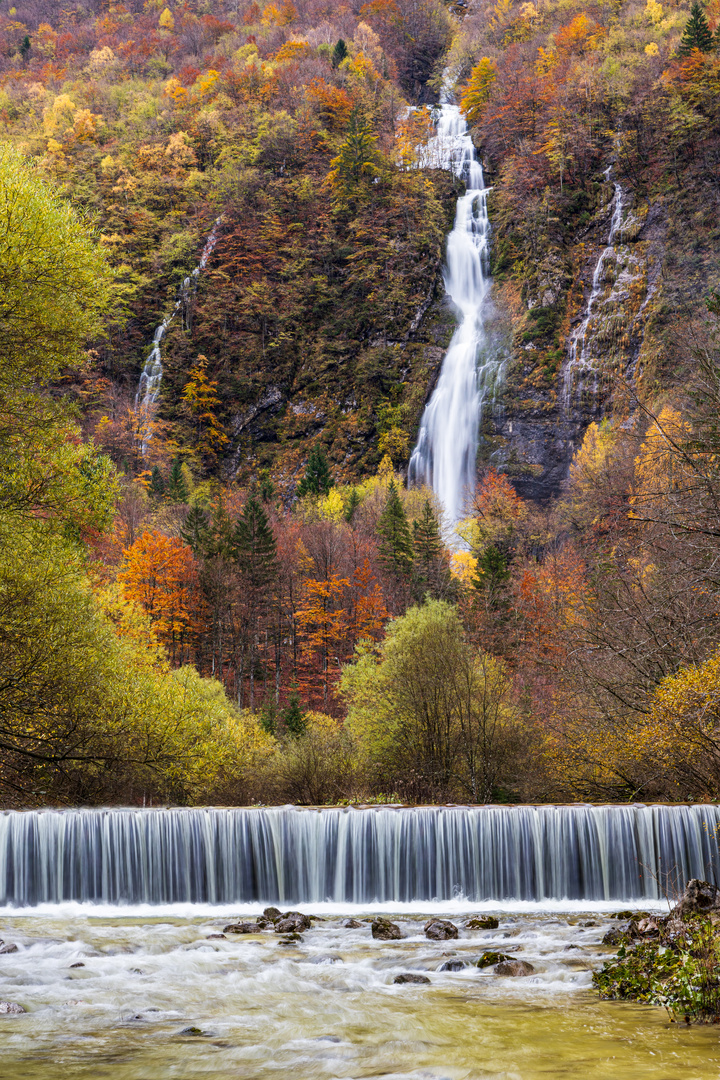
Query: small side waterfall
{"points": [[444, 456], [291, 855], [579, 361], [152, 372]]}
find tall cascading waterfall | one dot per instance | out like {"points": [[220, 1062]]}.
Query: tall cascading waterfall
{"points": [[444, 456], [579, 359], [152, 372], [291, 855]]}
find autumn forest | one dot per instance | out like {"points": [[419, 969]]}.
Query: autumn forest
{"points": [[223, 228]]}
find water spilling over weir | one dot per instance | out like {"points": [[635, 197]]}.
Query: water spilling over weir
{"points": [[353, 856]]}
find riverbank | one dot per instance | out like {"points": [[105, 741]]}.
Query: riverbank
{"points": [[672, 961]]}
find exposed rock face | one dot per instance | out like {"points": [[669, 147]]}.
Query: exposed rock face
{"points": [[699, 898], [10, 1008], [384, 930], [411, 977], [482, 922], [440, 930], [514, 967]]}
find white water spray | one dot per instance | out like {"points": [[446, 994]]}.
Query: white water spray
{"points": [[152, 372], [444, 456], [579, 362]]}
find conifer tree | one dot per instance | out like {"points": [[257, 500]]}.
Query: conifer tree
{"points": [[177, 487], [697, 33], [357, 156], [256, 553], [294, 719], [196, 530], [339, 53], [317, 479], [352, 504], [429, 572], [157, 484], [396, 547]]}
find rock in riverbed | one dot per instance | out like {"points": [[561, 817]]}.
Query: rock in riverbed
{"points": [[352, 924], [241, 928], [514, 967], [452, 965], [292, 922], [10, 1008], [384, 930], [482, 922], [440, 930], [411, 977], [489, 958]]}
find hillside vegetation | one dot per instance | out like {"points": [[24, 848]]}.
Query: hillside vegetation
{"points": [[228, 593]]}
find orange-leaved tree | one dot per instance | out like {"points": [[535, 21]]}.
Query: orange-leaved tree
{"points": [[160, 574]]}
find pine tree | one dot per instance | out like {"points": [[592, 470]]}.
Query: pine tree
{"points": [[396, 547], [294, 719], [339, 53], [196, 530], [429, 572], [697, 33], [177, 487], [357, 157], [317, 479], [157, 484], [256, 554], [492, 574], [352, 504]]}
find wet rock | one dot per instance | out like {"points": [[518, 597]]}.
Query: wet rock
{"points": [[645, 928], [440, 930], [216, 937], [292, 922], [587, 923], [627, 914], [8, 949], [352, 924], [514, 967], [489, 958], [241, 928], [290, 939], [411, 977], [569, 947], [616, 937], [272, 914], [482, 922], [328, 958], [10, 1008], [452, 965], [384, 930], [192, 1031], [78, 964], [699, 898]]}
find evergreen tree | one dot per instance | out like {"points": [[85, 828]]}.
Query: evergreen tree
{"points": [[396, 547], [339, 53], [294, 719], [256, 553], [177, 487], [431, 573], [196, 530], [157, 484], [357, 158], [266, 488], [26, 44], [317, 479], [697, 33], [492, 574], [352, 505]]}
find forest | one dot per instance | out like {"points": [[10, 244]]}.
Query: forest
{"points": [[221, 588]]}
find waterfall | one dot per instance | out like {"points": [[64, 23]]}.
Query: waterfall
{"points": [[290, 855], [444, 456], [579, 362], [152, 372]]}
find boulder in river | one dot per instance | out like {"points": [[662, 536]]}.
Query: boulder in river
{"points": [[452, 965], [292, 922], [10, 1008], [8, 949], [489, 958], [241, 928], [384, 930], [352, 924], [272, 914], [514, 967], [411, 977], [215, 937], [440, 930], [482, 922]]}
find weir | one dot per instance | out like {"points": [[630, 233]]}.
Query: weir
{"points": [[291, 855]]}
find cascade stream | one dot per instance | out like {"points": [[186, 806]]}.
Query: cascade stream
{"points": [[152, 372], [444, 456], [291, 855]]}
